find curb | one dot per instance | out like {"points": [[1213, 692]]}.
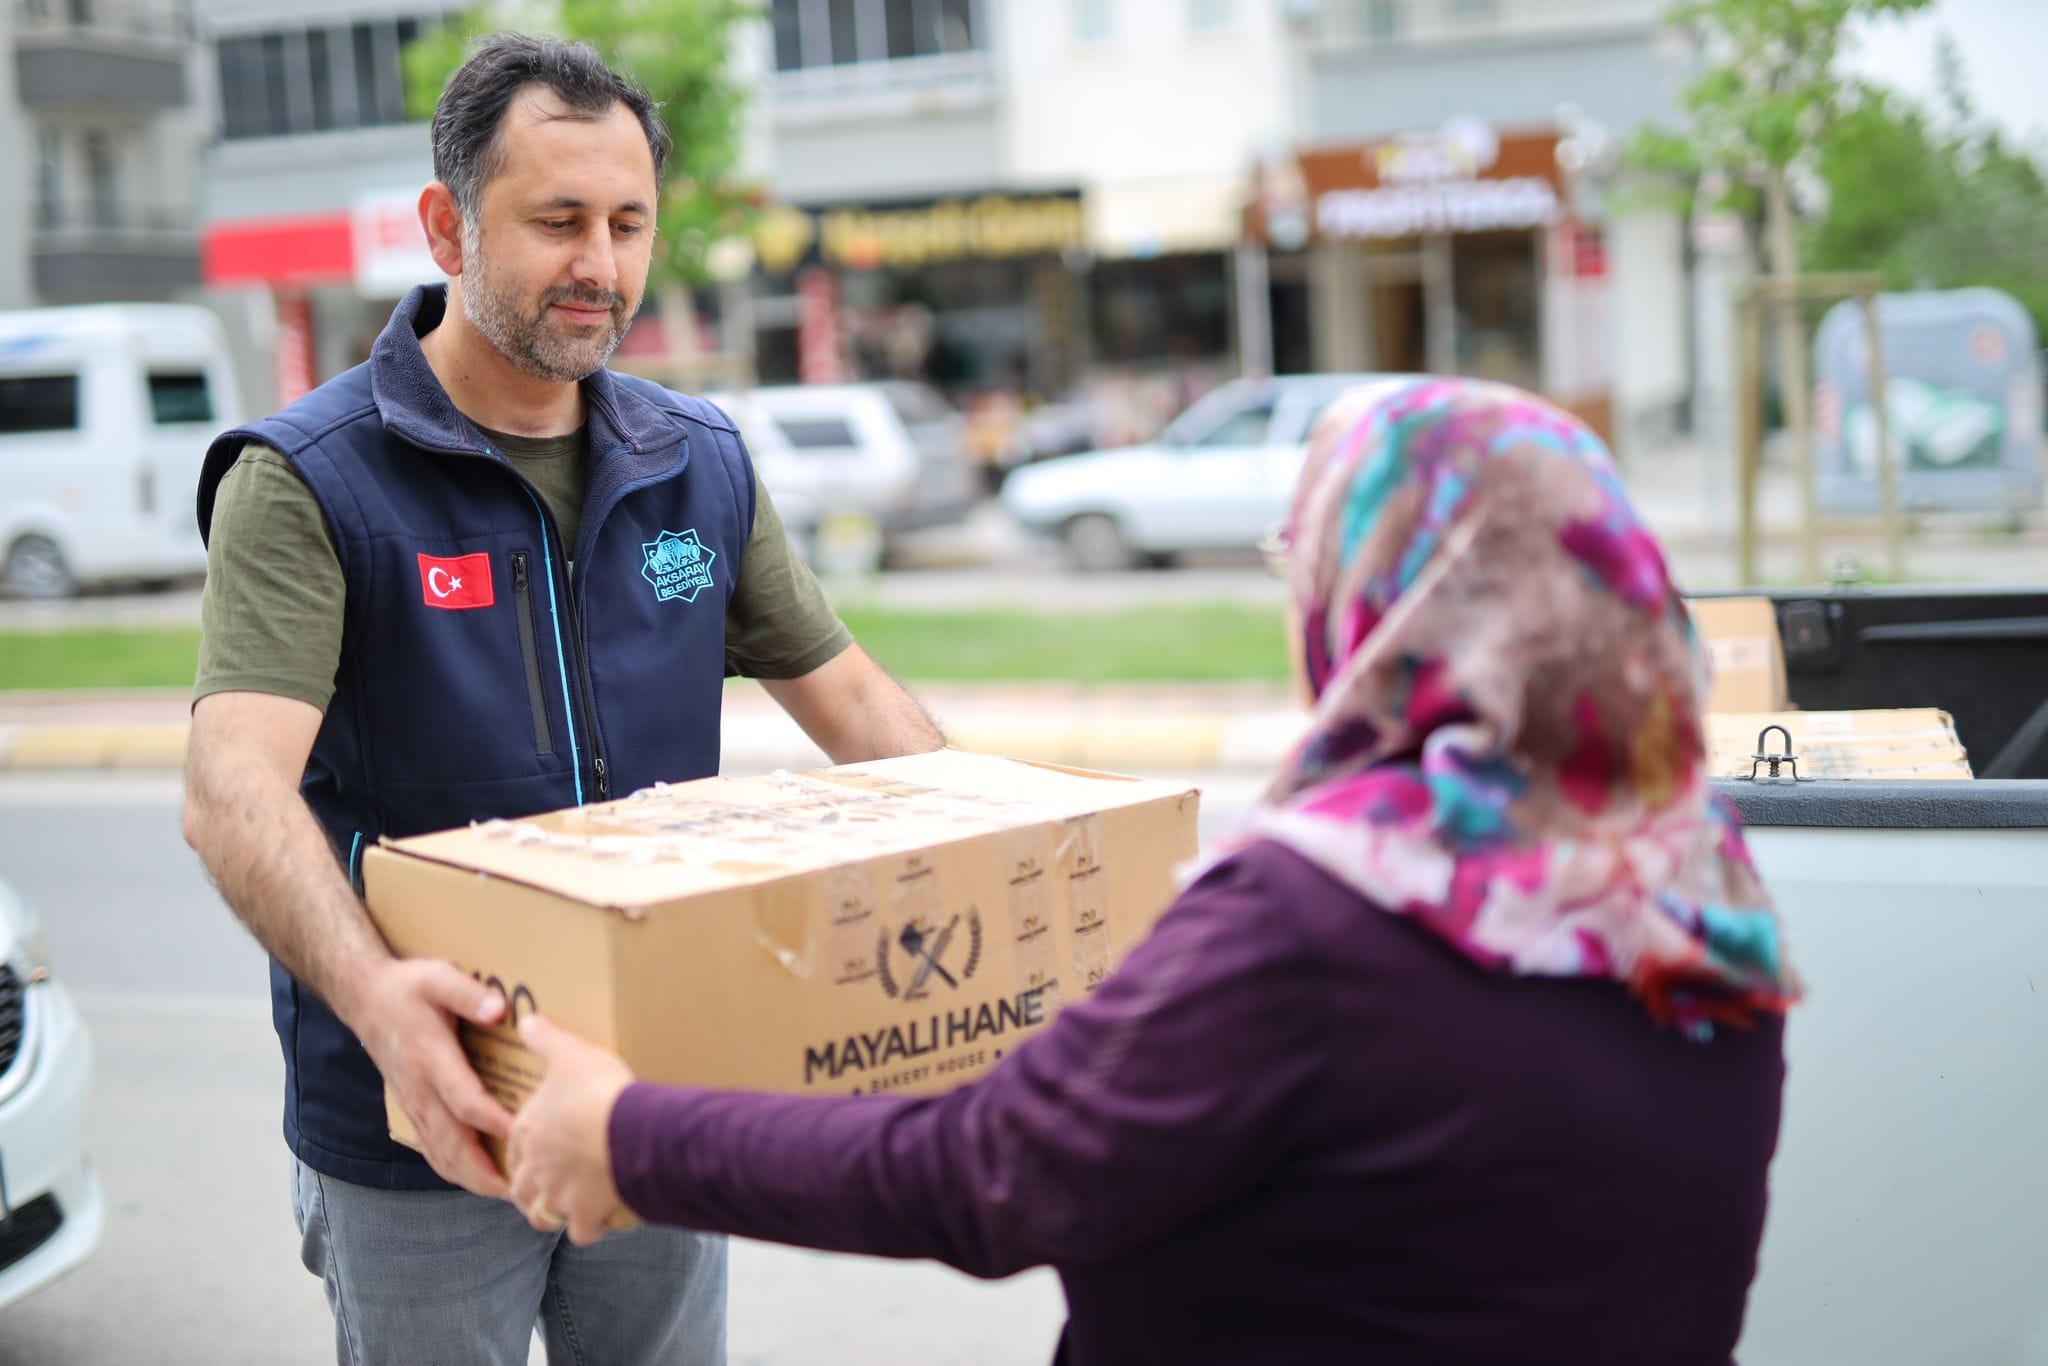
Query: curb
{"points": [[1114, 741], [71, 748]]}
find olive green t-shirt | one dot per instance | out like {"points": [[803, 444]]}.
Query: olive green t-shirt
{"points": [[272, 611]]}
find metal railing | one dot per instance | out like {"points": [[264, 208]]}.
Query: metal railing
{"points": [[967, 71], [169, 21], [1375, 23], [72, 218]]}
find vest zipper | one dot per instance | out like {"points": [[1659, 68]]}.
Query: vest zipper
{"points": [[582, 656], [604, 782], [575, 669], [522, 591], [581, 685]]}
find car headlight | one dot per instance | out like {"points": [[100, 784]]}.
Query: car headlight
{"points": [[31, 958]]}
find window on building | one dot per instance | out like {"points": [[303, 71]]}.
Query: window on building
{"points": [[38, 403], [179, 397], [1206, 16], [1094, 21], [320, 77], [844, 22], [314, 80], [812, 33], [956, 27], [49, 178], [789, 35], [102, 179], [363, 45]]}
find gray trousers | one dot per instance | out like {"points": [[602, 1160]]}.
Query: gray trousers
{"points": [[420, 1277]]}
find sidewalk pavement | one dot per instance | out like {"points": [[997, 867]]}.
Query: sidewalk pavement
{"points": [[1121, 728]]}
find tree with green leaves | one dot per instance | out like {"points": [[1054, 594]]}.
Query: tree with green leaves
{"points": [[1767, 96], [681, 51], [1932, 200]]}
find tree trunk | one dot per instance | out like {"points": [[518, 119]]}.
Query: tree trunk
{"points": [[679, 331], [1795, 382]]}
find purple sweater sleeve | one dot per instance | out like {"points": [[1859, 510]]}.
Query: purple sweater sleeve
{"points": [[1172, 1090]]}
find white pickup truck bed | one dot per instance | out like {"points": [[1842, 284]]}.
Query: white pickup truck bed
{"points": [[1909, 1206]]}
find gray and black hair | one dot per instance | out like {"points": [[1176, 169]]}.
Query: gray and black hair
{"points": [[471, 112]]}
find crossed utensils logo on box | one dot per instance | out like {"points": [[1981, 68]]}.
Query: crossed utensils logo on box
{"points": [[928, 951]]}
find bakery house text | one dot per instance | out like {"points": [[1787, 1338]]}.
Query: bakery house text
{"points": [[867, 1052]]}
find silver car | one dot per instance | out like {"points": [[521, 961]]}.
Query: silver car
{"points": [[51, 1208], [1216, 479], [891, 454]]}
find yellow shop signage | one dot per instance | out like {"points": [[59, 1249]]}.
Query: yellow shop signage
{"points": [[989, 227]]}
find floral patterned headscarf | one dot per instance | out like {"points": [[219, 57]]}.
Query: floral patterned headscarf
{"points": [[1506, 747]]}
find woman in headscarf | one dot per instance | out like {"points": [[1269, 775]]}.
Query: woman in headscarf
{"points": [[1466, 1050]]}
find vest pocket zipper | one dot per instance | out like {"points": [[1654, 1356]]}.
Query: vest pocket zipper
{"points": [[522, 592], [355, 865]]}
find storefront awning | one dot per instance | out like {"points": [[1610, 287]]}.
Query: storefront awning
{"points": [[377, 245], [1165, 217], [288, 252]]}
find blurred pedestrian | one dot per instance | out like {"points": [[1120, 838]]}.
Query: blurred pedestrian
{"points": [[1467, 1050]]}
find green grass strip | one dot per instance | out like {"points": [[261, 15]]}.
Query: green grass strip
{"points": [[1171, 643]]}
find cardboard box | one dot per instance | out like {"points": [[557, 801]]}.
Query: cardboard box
{"points": [[1749, 656], [895, 926], [1900, 744]]}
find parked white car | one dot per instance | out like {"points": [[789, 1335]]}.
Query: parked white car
{"points": [[51, 1208], [892, 452], [106, 412], [1216, 479]]}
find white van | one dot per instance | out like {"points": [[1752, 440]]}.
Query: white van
{"points": [[105, 415]]}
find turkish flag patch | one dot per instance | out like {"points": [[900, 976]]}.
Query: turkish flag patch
{"points": [[464, 581]]}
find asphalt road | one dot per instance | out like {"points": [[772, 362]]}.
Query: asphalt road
{"points": [[199, 1262]]}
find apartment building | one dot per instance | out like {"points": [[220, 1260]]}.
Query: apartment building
{"points": [[311, 180], [999, 196], [100, 125], [1012, 196]]}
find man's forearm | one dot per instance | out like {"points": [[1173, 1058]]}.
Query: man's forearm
{"points": [[272, 864], [886, 721], [854, 711]]}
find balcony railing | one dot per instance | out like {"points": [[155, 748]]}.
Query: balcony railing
{"points": [[964, 74], [123, 54], [1388, 23], [71, 220], [109, 250], [167, 22]]}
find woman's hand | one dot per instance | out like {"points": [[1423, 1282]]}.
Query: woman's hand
{"points": [[560, 1149]]}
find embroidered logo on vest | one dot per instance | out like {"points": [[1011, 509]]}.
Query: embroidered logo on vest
{"points": [[678, 565]]}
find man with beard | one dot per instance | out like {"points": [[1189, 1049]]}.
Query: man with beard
{"points": [[482, 576]]}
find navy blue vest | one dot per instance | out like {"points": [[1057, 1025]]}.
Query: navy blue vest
{"points": [[482, 675]]}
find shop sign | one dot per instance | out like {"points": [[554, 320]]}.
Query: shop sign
{"points": [[391, 254], [1459, 206], [1462, 177], [992, 227]]}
